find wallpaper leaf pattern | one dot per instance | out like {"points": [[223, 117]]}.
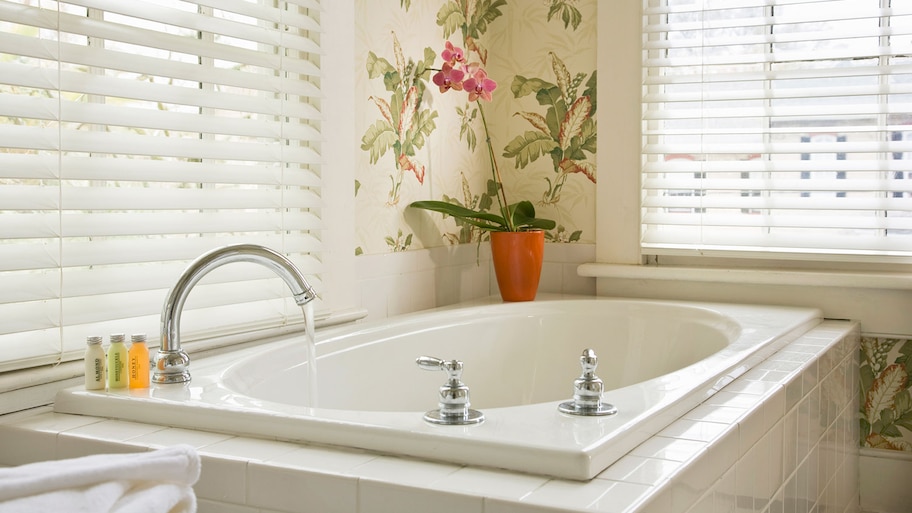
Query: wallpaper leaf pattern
{"points": [[405, 124], [566, 131], [886, 407], [567, 11], [408, 131]]}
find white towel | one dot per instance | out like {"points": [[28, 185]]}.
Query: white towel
{"points": [[145, 482]]}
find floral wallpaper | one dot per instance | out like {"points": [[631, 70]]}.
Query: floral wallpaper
{"points": [[418, 142], [886, 405]]}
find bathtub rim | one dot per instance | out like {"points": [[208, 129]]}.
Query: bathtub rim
{"points": [[581, 460]]}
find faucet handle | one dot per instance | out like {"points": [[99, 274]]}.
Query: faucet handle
{"points": [[453, 395], [587, 390], [589, 362], [453, 368]]}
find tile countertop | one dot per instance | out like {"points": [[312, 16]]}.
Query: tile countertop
{"points": [[279, 476]]}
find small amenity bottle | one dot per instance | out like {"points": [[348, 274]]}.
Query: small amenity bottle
{"points": [[118, 376], [94, 364], [139, 361]]}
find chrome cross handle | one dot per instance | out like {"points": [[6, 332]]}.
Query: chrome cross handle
{"points": [[453, 401]]}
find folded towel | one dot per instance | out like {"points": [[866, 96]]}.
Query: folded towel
{"points": [[146, 482]]}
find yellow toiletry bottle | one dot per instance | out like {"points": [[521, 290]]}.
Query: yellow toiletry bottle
{"points": [[117, 362], [139, 362]]}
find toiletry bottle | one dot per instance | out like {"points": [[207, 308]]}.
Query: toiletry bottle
{"points": [[118, 376], [94, 364], [139, 361]]}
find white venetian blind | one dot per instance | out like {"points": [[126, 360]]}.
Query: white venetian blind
{"points": [[778, 126], [136, 135]]}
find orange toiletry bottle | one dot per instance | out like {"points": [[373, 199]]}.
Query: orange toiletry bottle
{"points": [[139, 362]]}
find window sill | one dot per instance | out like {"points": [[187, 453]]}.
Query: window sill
{"points": [[842, 279]]}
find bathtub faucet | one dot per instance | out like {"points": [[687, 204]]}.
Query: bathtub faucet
{"points": [[171, 362], [453, 406], [587, 391]]}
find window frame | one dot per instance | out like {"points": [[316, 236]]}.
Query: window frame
{"points": [[618, 209]]}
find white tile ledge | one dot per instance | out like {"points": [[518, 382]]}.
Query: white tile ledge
{"points": [[848, 279], [887, 454]]}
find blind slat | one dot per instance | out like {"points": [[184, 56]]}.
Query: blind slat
{"points": [[783, 127], [138, 135]]}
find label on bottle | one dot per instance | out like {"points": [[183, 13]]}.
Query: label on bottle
{"points": [[95, 367], [139, 365], [118, 367]]}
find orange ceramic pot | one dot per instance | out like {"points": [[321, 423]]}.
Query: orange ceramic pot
{"points": [[517, 263]]}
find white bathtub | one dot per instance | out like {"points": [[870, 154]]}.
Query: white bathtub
{"points": [[658, 360]]}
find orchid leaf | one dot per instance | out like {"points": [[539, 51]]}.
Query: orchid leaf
{"points": [[522, 214], [529, 147], [485, 220]]}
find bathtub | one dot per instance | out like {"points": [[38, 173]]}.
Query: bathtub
{"points": [[658, 360]]}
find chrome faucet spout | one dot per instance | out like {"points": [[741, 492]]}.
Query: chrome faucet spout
{"points": [[172, 362]]}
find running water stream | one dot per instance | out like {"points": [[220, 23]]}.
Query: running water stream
{"points": [[311, 365]]}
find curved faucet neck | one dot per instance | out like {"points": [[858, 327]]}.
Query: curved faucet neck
{"points": [[174, 304]]}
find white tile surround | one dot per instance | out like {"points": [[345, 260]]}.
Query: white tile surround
{"points": [[453, 274], [782, 438]]}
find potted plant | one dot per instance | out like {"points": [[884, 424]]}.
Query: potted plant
{"points": [[516, 235]]}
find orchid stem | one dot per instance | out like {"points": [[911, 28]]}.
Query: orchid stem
{"points": [[495, 171]]}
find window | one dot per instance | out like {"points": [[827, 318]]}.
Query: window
{"points": [[792, 115], [135, 136]]}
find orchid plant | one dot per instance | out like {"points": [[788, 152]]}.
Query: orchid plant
{"points": [[457, 74]]}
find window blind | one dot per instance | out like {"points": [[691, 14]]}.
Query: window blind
{"points": [[138, 135], [778, 126]]}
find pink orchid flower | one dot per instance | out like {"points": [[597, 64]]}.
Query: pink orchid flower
{"points": [[452, 54], [448, 78], [479, 86]]}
